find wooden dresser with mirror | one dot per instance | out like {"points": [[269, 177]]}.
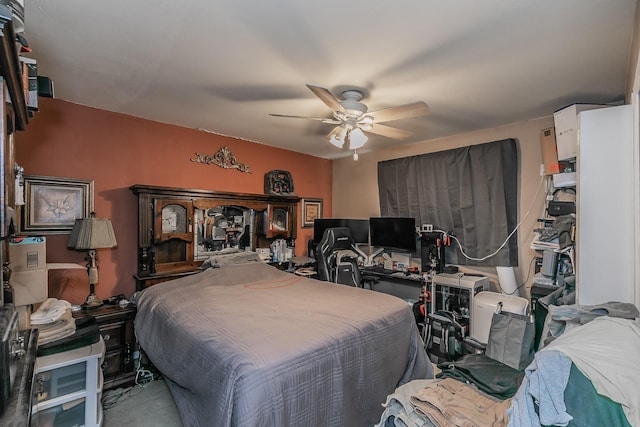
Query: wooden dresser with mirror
{"points": [[180, 228]]}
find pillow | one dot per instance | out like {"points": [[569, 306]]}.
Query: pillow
{"points": [[231, 257]]}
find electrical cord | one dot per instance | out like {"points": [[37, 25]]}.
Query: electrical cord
{"points": [[508, 237], [523, 283], [114, 397], [144, 376]]}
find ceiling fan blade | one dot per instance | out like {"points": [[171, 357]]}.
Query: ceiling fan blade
{"points": [[406, 111], [388, 131], [327, 97], [321, 119]]}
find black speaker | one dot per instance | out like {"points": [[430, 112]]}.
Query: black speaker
{"points": [[431, 251], [45, 87], [549, 263]]}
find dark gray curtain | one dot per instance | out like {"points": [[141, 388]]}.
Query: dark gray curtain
{"points": [[470, 191]]}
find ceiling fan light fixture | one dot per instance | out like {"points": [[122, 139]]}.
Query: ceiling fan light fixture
{"points": [[357, 139], [351, 117], [337, 136], [336, 142], [340, 115], [355, 109], [351, 102]]}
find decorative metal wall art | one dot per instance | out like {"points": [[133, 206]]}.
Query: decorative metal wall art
{"points": [[223, 158]]}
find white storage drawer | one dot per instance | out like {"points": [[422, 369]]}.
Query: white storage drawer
{"points": [[68, 387], [66, 414], [61, 381]]}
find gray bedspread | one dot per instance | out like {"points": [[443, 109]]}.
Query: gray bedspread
{"points": [[250, 345]]}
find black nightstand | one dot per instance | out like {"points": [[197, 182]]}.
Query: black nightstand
{"points": [[116, 328]]}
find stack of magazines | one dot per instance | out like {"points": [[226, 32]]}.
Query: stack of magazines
{"points": [[545, 239]]}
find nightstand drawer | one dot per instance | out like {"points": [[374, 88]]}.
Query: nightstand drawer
{"points": [[116, 328], [112, 335], [112, 363]]}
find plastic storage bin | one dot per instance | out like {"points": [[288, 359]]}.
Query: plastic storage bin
{"points": [[485, 304], [68, 388]]}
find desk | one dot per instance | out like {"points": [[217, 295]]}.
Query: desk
{"points": [[395, 283]]}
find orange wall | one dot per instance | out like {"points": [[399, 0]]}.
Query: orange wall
{"points": [[116, 151]]}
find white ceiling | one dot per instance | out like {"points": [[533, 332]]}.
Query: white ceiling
{"points": [[223, 66]]}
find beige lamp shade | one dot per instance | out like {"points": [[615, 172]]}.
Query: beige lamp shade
{"points": [[92, 233]]}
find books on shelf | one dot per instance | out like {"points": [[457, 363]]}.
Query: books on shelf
{"points": [[540, 243]]}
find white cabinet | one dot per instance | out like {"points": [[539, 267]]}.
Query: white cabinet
{"points": [[606, 206], [68, 388]]}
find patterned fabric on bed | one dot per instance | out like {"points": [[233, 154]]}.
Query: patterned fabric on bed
{"points": [[250, 345]]}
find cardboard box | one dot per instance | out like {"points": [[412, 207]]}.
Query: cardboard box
{"points": [[28, 263], [29, 286], [549, 151], [28, 253], [566, 125]]}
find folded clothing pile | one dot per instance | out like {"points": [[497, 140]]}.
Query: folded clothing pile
{"points": [[441, 403], [54, 321]]}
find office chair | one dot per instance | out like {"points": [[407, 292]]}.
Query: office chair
{"points": [[332, 266]]}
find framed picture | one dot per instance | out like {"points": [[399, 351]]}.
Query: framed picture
{"points": [[53, 204], [311, 209]]}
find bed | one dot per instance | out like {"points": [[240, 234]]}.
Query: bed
{"points": [[245, 344]]}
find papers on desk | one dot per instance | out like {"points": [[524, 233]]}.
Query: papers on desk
{"points": [[302, 260]]}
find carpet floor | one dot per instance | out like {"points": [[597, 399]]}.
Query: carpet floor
{"points": [[148, 404]]}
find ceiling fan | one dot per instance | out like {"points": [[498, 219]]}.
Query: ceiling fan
{"points": [[352, 117]]}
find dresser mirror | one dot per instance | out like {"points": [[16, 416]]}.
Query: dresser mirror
{"points": [[223, 227]]}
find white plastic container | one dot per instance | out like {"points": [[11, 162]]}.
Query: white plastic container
{"points": [[566, 125], [485, 304]]}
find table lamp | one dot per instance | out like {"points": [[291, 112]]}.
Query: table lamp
{"points": [[90, 234]]}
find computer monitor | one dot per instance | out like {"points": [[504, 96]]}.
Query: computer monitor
{"points": [[321, 224], [393, 232], [359, 228]]}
